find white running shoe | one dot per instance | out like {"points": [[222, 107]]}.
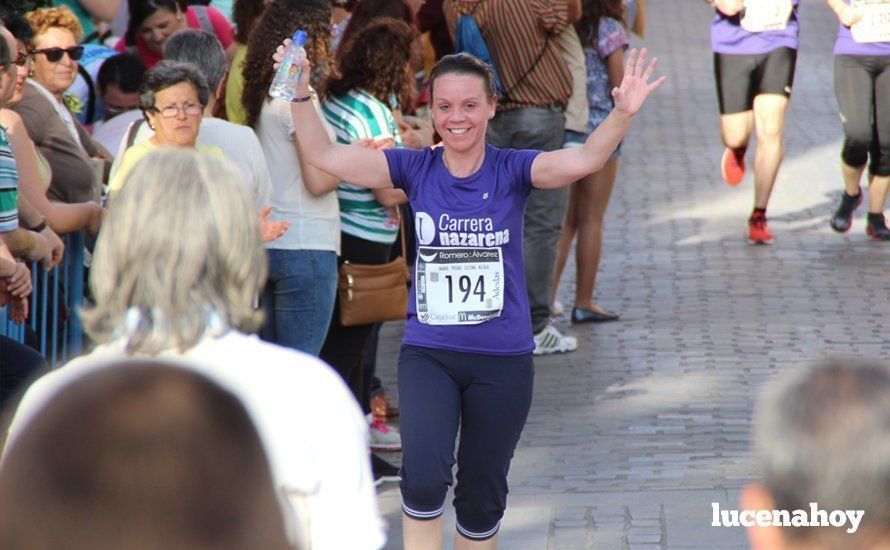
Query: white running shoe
{"points": [[550, 340], [383, 437], [556, 308]]}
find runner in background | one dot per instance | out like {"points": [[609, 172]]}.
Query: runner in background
{"points": [[755, 49], [862, 86]]}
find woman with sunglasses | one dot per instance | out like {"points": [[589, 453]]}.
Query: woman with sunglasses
{"points": [[76, 160], [34, 170], [172, 99]]}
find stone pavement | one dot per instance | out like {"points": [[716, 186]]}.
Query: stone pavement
{"points": [[632, 438]]}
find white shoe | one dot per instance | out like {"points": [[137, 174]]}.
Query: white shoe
{"points": [[550, 340], [383, 437], [556, 308]]}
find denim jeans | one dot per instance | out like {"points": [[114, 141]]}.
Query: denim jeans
{"points": [[299, 298], [542, 129], [21, 365]]}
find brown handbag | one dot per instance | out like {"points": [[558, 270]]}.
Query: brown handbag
{"points": [[373, 293]]}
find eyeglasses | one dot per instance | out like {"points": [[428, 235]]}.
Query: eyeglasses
{"points": [[22, 60], [170, 111], [54, 55]]}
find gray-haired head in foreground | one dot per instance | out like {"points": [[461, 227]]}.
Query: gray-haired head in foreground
{"points": [[167, 74], [179, 256], [822, 434], [201, 49]]}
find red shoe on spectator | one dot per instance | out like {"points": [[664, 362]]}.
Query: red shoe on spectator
{"points": [[732, 166]]}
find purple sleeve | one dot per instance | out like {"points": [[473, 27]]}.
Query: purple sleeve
{"points": [[520, 165], [403, 166], [612, 36]]}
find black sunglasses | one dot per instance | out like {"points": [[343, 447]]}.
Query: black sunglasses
{"points": [[22, 59], [54, 55]]}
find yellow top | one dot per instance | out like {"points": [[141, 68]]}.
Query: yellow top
{"points": [[135, 153], [235, 87]]}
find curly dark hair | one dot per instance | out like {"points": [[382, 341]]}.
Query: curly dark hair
{"points": [[279, 21], [366, 11], [376, 61], [245, 14], [592, 11]]}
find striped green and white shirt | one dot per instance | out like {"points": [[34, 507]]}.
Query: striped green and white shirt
{"points": [[353, 116], [9, 186]]}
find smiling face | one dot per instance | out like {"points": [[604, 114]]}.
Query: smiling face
{"points": [[461, 111], [158, 27], [180, 130], [56, 76]]}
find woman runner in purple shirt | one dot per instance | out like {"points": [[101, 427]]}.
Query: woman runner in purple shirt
{"points": [[466, 359], [862, 87]]}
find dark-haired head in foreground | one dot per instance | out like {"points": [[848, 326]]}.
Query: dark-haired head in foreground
{"points": [[141, 456]]}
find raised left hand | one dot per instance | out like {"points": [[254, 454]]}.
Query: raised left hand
{"points": [[635, 87]]}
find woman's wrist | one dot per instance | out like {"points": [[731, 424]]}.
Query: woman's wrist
{"points": [[310, 94]]}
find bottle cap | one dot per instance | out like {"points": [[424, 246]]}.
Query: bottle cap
{"points": [[299, 38]]}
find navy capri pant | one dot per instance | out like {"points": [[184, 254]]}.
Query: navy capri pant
{"points": [[489, 397]]}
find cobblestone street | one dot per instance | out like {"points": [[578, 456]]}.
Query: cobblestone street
{"points": [[631, 438]]}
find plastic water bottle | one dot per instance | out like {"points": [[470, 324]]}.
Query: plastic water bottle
{"points": [[284, 85]]}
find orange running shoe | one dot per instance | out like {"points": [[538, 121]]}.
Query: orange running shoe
{"points": [[732, 166], [758, 232]]}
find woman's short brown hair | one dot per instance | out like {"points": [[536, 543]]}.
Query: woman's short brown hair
{"points": [[43, 19]]}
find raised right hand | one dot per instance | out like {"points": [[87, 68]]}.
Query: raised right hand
{"points": [[303, 81]]}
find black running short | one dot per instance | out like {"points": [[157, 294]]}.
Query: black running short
{"points": [[741, 78]]}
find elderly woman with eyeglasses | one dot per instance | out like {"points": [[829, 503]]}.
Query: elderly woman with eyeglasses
{"points": [[76, 160], [172, 99]]}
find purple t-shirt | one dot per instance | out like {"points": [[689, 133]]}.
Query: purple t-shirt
{"points": [[728, 36], [469, 245], [845, 45]]}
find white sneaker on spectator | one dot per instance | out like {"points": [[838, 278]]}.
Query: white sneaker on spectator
{"points": [[550, 340], [383, 436], [556, 308]]}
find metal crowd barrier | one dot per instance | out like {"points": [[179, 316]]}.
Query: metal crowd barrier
{"points": [[59, 339]]}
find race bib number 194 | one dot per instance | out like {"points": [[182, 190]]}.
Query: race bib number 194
{"points": [[766, 15], [459, 286]]}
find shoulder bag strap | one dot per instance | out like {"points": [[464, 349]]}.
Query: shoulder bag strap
{"points": [[531, 67], [134, 129], [204, 19]]}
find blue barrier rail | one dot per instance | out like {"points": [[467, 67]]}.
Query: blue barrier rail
{"points": [[59, 339]]}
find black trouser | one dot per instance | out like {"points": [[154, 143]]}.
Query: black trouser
{"points": [[862, 86], [488, 397], [344, 347], [18, 365]]}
